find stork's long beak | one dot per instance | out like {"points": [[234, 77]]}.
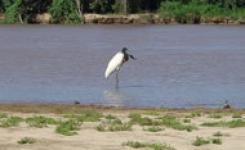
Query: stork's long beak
{"points": [[132, 57]]}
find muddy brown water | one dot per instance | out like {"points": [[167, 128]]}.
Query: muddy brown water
{"points": [[176, 66]]}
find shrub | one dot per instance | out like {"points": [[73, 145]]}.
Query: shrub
{"points": [[64, 11], [40, 121], [154, 146], [3, 115], [237, 115], [154, 129], [113, 125], [10, 122], [217, 141], [27, 140], [218, 134], [200, 141], [68, 128], [86, 116], [230, 124], [13, 12]]}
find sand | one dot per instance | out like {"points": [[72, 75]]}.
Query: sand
{"points": [[88, 138]]}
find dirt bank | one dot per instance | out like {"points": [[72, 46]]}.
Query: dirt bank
{"points": [[90, 138], [2, 17], [153, 19], [45, 18]]}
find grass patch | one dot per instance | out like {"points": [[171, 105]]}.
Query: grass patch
{"points": [[231, 124], [68, 128], [113, 125], [26, 140], [167, 120], [237, 115], [152, 113], [10, 122], [193, 115], [40, 121], [218, 134], [217, 141], [153, 129], [3, 115], [215, 116], [86, 116], [110, 117], [200, 141], [143, 121], [172, 122], [214, 124], [187, 120], [154, 146]]}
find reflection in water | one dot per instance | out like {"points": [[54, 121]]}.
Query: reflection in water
{"points": [[116, 98]]}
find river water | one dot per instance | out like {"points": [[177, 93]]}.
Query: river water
{"points": [[176, 66]]}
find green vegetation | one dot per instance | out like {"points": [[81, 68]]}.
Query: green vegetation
{"points": [[110, 117], [40, 121], [200, 141], [155, 146], [153, 129], [193, 115], [13, 12], [218, 134], [230, 124], [217, 141], [215, 116], [27, 140], [152, 113], [167, 120], [10, 122], [64, 11], [70, 11], [195, 11], [3, 115], [143, 121], [174, 123], [187, 120], [113, 125], [68, 128], [237, 115], [86, 116]]}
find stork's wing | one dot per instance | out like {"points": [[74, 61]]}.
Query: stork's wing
{"points": [[114, 64]]}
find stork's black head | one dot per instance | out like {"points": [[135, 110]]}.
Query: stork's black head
{"points": [[124, 49], [125, 52]]}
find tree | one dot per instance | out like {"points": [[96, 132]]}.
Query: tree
{"points": [[125, 7], [64, 11], [13, 12]]}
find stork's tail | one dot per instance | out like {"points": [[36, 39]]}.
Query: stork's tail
{"points": [[106, 75]]}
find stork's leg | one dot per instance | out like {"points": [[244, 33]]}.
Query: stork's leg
{"points": [[117, 79]]}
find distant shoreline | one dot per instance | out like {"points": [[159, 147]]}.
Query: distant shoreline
{"points": [[146, 18], [152, 19], [63, 108]]}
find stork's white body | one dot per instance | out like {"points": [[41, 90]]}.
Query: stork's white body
{"points": [[114, 64]]}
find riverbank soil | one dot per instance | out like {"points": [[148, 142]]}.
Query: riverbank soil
{"points": [[101, 128], [2, 17]]}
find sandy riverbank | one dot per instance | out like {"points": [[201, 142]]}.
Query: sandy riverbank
{"points": [[145, 18], [90, 136]]}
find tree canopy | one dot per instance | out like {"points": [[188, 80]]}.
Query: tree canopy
{"points": [[70, 10]]}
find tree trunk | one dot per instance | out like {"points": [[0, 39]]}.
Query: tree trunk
{"points": [[125, 7], [20, 19], [79, 7]]}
